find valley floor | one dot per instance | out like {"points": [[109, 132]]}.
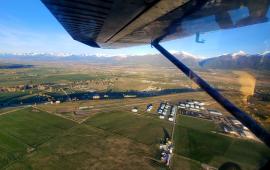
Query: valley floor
{"points": [[115, 138]]}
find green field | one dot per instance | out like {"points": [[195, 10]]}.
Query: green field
{"points": [[115, 140], [194, 139], [31, 139], [85, 147], [11, 96], [23, 131], [144, 130]]}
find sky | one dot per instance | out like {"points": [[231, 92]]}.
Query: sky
{"points": [[27, 26]]}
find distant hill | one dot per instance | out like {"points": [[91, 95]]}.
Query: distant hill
{"points": [[148, 59], [159, 60], [239, 60]]}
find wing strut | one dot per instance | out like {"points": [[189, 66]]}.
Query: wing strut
{"points": [[243, 117]]}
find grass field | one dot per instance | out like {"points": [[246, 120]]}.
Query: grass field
{"points": [[116, 140], [31, 139], [144, 130], [83, 147], [180, 163], [194, 139], [22, 131]]}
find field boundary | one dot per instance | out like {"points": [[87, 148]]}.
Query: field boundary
{"points": [[10, 111], [55, 114]]}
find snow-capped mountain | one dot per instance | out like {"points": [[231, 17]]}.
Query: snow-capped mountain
{"points": [[149, 59], [239, 60]]}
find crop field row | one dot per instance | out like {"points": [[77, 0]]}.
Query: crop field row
{"points": [[24, 130], [30, 139], [143, 130], [107, 140], [194, 138]]}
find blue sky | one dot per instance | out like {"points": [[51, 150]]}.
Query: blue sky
{"points": [[27, 26]]}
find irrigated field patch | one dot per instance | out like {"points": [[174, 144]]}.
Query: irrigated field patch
{"points": [[23, 130], [34, 139], [85, 147], [30, 139], [194, 139], [139, 128]]}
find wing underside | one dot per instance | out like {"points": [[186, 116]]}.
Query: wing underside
{"points": [[120, 23]]}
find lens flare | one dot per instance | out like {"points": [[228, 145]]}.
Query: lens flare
{"points": [[247, 84]]}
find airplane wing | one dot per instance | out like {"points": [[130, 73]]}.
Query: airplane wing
{"points": [[120, 23]]}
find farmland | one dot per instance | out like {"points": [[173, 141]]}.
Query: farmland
{"points": [[69, 109], [45, 82], [83, 147], [31, 138], [194, 139], [89, 144], [78, 132], [138, 128], [24, 130]]}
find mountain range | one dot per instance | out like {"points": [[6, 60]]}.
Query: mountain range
{"points": [[238, 60], [148, 59]]}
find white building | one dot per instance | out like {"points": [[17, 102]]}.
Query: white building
{"points": [[161, 117], [236, 122], [216, 113], [134, 110], [171, 119], [96, 97]]}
